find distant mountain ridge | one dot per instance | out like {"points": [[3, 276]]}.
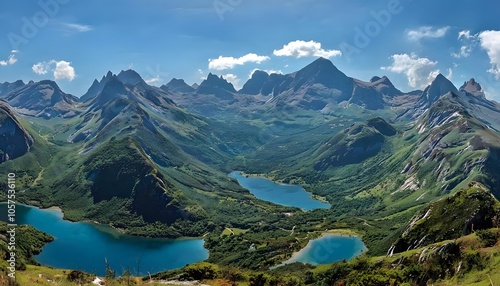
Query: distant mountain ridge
{"points": [[43, 99], [319, 86], [178, 85], [7, 87]]}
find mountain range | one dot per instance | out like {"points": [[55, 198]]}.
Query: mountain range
{"points": [[135, 156]]}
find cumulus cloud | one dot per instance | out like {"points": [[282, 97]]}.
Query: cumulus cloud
{"points": [[469, 41], [490, 41], [465, 34], [42, 67], [10, 60], [60, 69], [426, 32], [223, 63], [463, 52], [64, 70], [301, 49], [419, 71]]}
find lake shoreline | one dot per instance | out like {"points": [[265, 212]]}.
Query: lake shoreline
{"points": [[92, 242], [264, 187], [296, 256], [119, 231]]}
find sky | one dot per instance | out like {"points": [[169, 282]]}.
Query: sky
{"points": [[74, 42]]}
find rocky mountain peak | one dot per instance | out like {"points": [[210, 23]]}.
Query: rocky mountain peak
{"points": [[473, 88], [214, 81], [439, 86], [7, 87], [130, 77], [178, 85], [96, 87], [384, 86], [112, 89], [322, 71], [255, 83], [15, 141]]}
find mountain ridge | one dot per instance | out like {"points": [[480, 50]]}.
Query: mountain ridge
{"points": [[154, 160]]}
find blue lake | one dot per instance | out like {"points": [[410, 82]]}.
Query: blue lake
{"points": [[281, 194], [327, 249], [86, 246]]}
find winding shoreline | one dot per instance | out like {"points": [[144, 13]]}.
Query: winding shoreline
{"points": [[334, 233]]}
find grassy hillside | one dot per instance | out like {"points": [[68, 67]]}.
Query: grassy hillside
{"points": [[467, 211]]}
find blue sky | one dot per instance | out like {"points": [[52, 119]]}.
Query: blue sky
{"points": [[74, 42]]}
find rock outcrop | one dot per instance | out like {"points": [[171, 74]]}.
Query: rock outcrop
{"points": [[15, 141]]}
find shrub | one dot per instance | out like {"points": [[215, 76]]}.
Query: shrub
{"points": [[78, 276], [200, 271], [489, 236]]}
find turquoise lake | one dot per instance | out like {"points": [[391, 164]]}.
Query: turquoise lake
{"points": [[86, 246], [327, 249], [281, 194]]}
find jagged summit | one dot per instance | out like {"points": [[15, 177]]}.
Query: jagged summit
{"points": [[96, 87], [439, 86], [473, 87], [112, 89], [109, 74], [130, 77], [214, 81]]}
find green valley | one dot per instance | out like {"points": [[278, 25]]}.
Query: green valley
{"points": [[414, 175]]}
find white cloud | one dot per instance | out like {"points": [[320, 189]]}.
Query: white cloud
{"points": [[64, 70], [10, 60], [42, 67], [223, 63], [419, 71], [463, 53], [74, 27], [469, 42], [464, 34], [60, 69], [232, 78], [449, 75], [267, 71], [154, 80], [490, 41], [426, 32], [300, 49]]}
